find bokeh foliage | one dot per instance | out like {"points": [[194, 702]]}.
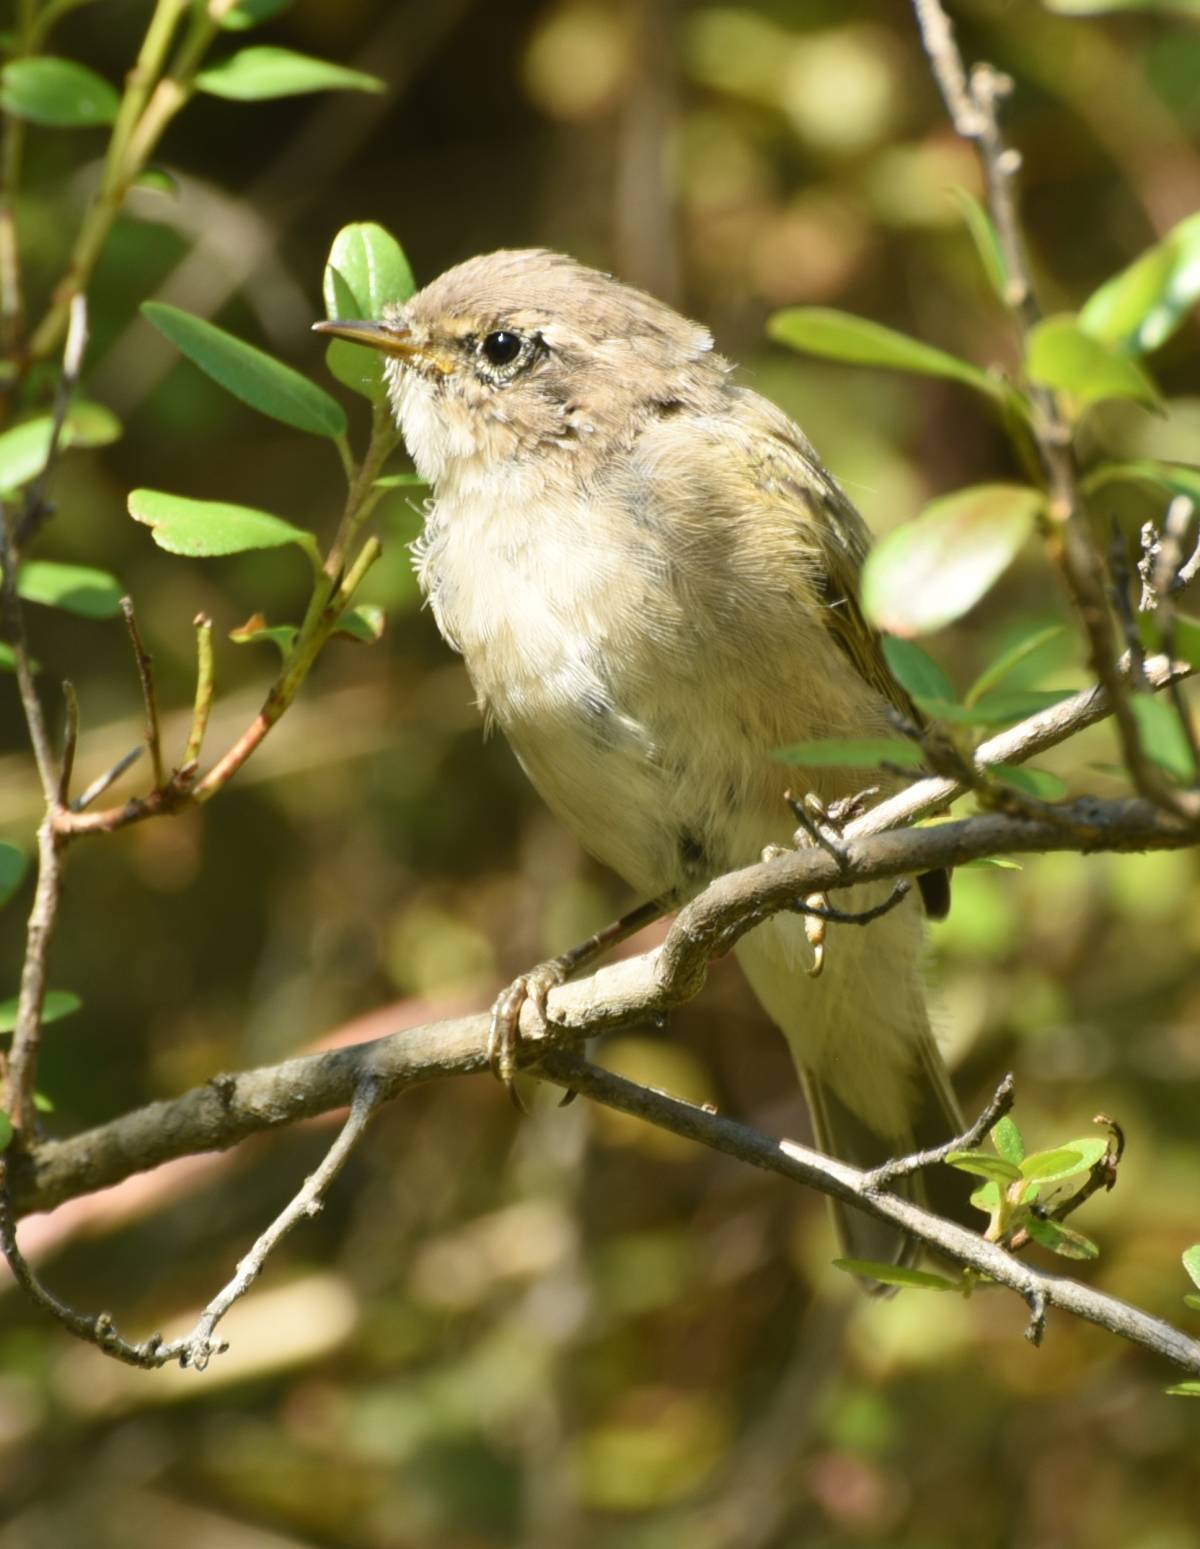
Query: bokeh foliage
{"points": [[569, 1330]]}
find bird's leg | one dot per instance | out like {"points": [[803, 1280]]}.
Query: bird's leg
{"points": [[504, 1035]]}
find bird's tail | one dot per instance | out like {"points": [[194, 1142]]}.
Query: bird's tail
{"points": [[872, 1073]]}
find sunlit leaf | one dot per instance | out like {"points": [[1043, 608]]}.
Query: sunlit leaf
{"points": [[56, 92], [1033, 782], [252, 13], [254, 74], [42, 1103], [366, 269], [203, 528], [1059, 354], [896, 1274], [987, 1198], [24, 448], [364, 623], [930, 571], [842, 336], [983, 1165], [250, 374], [93, 594], [1061, 1239], [987, 244], [57, 1004], [1140, 308], [158, 181], [1162, 736], [1009, 660], [996, 862], [1069, 1161], [1189, 1389], [1008, 1140], [1191, 1262], [916, 671], [852, 753], [399, 481], [13, 863]]}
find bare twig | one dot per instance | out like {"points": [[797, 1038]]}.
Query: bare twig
{"points": [[1001, 1103], [145, 668], [854, 916], [70, 743], [37, 505], [110, 777], [196, 1348]]}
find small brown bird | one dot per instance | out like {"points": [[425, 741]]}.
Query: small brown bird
{"points": [[652, 581]]}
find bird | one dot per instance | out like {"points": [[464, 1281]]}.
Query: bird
{"points": [[653, 580]]}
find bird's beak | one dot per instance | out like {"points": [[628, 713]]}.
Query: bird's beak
{"points": [[380, 336]]}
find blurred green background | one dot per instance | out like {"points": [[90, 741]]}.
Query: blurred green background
{"points": [[569, 1330]]}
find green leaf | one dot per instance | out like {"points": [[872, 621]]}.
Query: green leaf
{"points": [[987, 1198], [364, 623], [13, 863], [852, 753], [987, 243], [1193, 1302], [58, 1003], [1178, 478], [1061, 1239], [1187, 638], [1191, 1262], [24, 448], [256, 630], [1033, 782], [365, 271], [998, 862], [997, 1168], [1068, 1161], [1008, 1140], [252, 13], [1101, 7], [916, 671], [42, 1103], [203, 528], [56, 92], [92, 594], [1140, 308], [1163, 739], [6, 1131], [399, 480], [250, 374], [842, 336], [158, 181], [930, 571], [1190, 1389], [254, 74], [1009, 660], [996, 709], [896, 1274], [1059, 354]]}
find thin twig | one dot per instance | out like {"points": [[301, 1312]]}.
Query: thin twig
{"points": [[70, 743], [145, 668], [110, 776], [196, 1348], [1001, 1104], [897, 895], [37, 502], [204, 691]]}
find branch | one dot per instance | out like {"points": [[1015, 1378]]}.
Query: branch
{"points": [[197, 1347], [858, 1189]]}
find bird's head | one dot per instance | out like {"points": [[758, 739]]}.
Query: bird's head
{"points": [[525, 353]]}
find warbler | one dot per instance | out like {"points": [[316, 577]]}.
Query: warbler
{"points": [[653, 583]]}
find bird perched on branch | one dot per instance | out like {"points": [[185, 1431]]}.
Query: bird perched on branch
{"points": [[653, 582]]}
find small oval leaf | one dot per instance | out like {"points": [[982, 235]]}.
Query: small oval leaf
{"points": [[851, 753], [366, 269], [1009, 660], [256, 74], [1033, 782], [916, 671], [1069, 1161], [996, 1168], [13, 863], [92, 594], [1140, 308], [57, 1004], [842, 336], [1191, 1262], [252, 13], [364, 623], [1061, 1239], [250, 374], [1000, 709], [1008, 1140], [57, 93], [896, 1274], [205, 528], [1059, 354], [1178, 478], [930, 571], [1163, 738], [24, 448]]}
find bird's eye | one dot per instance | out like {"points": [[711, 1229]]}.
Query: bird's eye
{"points": [[501, 348]]}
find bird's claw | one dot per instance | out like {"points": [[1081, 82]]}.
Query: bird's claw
{"points": [[504, 1031]]}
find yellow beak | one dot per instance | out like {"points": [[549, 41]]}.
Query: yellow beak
{"points": [[380, 336]]}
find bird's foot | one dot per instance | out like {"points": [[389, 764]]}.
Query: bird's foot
{"points": [[504, 1033]]}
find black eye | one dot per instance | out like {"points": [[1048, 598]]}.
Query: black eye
{"points": [[502, 347]]}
